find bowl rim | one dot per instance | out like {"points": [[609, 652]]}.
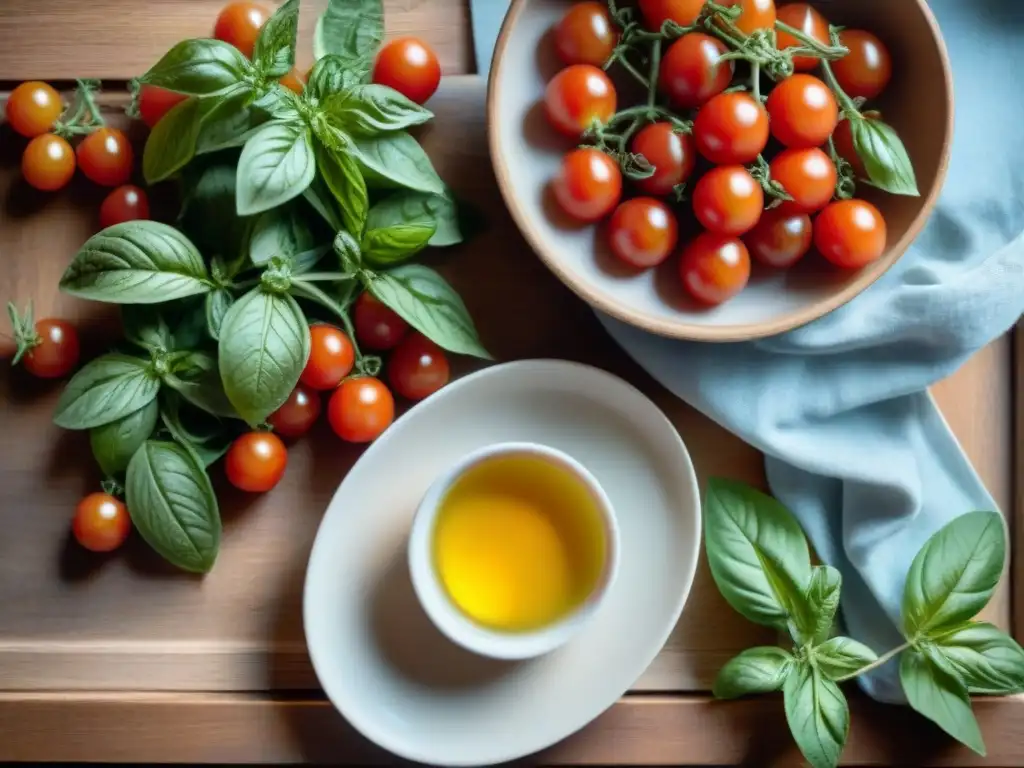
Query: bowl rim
{"points": [[679, 329]]}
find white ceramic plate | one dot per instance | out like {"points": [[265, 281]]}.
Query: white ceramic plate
{"points": [[378, 657]]}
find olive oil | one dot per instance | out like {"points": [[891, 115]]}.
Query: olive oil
{"points": [[519, 542]]}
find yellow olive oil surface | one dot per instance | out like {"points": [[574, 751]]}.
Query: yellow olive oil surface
{"points": [[518, 543]]}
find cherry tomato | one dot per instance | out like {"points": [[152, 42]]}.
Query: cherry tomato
{"points": [[805, 18], [586, 34], [731, 129], [105, 157], [803, 112], [33, 108], [331, 357], [576, 97], [410, 66], [754, 14], [714, 268], [780, 239], [418, 367], [293, 81], [843, 139], [240, 24], [728, 201], [682, 12], [54, 351], [670, 152], [298, 414], [691, 71], [48, 162], [850, 233], [808, 175], [867, 68], [256, 462], [101, 522], [126, 203], [155, 102], [360, 409], [642, 232], [378, 327], [588, 185]]}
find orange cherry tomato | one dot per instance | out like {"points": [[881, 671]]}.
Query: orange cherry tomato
{"points": [[155, 102], [577, 97], [55, 350], [692, 71], [804, 17], [803, 112], [714, 268], [240, 24], [808, 175], [101, 522], [780, 239], [256, 462], [298, 414], [293, 81], [672, 154], [48, 162], [418, 367], [105, 157], [642, 232], [754, 14], [126, 203], [586, 34], [361, 409], [378, 327], [850, 233], [728, 201], [331, 357], [32, 108], [410, 66], [682, 12], [731, 129], [588, 185], [866, 70]]}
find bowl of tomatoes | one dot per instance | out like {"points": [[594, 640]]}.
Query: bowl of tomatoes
{"points": [[719, 171]]}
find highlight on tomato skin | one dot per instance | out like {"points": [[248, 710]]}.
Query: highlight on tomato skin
{"points": [[672, 153], [298, 414], [331, 357], [692, 71], [256, 462], [642, 232], [850, 233], [728, 200], [780, 239], [578, 96], [808, 175], [588, 184], [125, 203], [55, 350], [586, 34], [361, 409], [803, 112], [807, 19], [731, 128], [683, 12], [48, 162], [410, 66], [417, 368], [105, 157], [239, 24], [714, 268], [33, 108], [866, 70], [101, 522]]}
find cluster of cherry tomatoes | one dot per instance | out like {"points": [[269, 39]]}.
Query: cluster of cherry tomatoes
{"points": [[732, 130]]}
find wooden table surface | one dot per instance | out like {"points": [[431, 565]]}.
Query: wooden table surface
{"points": [[121, 659]]}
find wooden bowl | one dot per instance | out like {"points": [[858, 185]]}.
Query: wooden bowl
{"points": [[526, 153]]}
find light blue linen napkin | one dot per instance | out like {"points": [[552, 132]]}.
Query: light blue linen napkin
{"points": [[854, 445]]}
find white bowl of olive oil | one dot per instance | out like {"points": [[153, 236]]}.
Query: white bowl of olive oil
{"points": [[513, 549]]}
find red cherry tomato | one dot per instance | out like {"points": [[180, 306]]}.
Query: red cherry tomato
{"points": [[586, 34], [105, 157], [682, 12], [577, 97], [256, 462], [846, 149], [804, 17], [588, 185], [126, 203], [378, 327], [803, 112], [728, 201], [33, 108], [240, 24], [418, 367], [410, 66], [850, 233], [754, 14], [643, 232], [808, 175], [780, 239], [714, 268], [101, 522], [293, 81], [298, 414], [55, 350], [331, 357], [155, 102], [731, 129], [867, 68], [692, 71], [48, 162], [360, 409], [670, 152]]}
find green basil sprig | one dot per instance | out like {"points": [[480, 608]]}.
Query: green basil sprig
{"points": [[276, 165], [105, 390], [409, 207], [396, 160], [369, 110], [114, 444], [201, 67], [274, 54], [885, 158], [352, 30]]}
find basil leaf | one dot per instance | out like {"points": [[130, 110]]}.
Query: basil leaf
{"points": [[348, 251], [279, 232], [172, 505], [172, 141], [229, 120], [188, 319], [276, 165], [756, 670], [341, 175], [197, 379], [217, 305], [397, 243], [137, 262], [817, 714], [201, 67], [274, 53], [145, 326], [822, 602], [841, 657], [206, 446], [885, 158], [935, 692], [424, 299], [305, 261], [210, 217], [954, 574], [353, 31], [757, 553], [264, 347], [369, 110], [303, 290], [396, 160], [419, 208], [330, 75], [115, 443], [320, 197], [105, 390], [987, 660]]}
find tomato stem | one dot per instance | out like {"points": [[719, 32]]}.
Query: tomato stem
{"points": [[24, 327], [652, 86], [845, 102], [755, 80], [814, 47]]}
